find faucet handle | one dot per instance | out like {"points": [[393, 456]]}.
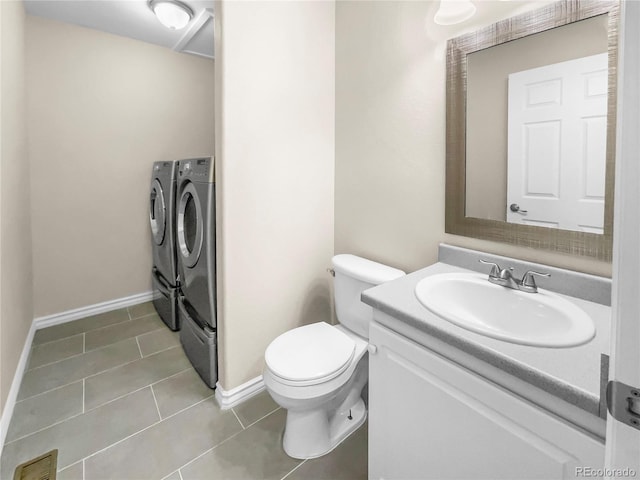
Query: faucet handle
{"points": [[528, 283], [495, 268]]}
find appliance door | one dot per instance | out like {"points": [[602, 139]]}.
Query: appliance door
{"points": [[190, 226], [157, 212]]}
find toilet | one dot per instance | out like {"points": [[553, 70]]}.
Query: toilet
{"points": [[317, 372]]}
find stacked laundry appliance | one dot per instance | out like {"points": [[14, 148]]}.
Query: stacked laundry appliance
{"points": [[195, 253], [164, 276]]}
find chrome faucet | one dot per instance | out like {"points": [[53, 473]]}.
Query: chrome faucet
{"points": [[504, 277]]}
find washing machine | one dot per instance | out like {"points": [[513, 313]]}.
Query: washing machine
{"points": [[196, 256], [164, 273]]}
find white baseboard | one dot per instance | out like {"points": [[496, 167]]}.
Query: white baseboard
{"points": [[82, 312], [230, 398], [7, 411], [48, 321]]}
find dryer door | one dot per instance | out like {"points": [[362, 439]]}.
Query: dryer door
{"points": [[157, 212], [190, 226]]}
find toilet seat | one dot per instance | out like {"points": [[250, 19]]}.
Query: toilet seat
{"points": [[310, 355]]}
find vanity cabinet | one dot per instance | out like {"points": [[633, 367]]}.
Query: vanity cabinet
{"points": [[430, 418]]}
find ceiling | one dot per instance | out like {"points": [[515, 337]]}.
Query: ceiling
{"points": [[134, 19]]}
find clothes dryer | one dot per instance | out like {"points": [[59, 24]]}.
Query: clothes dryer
{"points": [[196, 254], [162, 219]]}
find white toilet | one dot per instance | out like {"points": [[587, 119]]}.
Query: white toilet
{"points": [[317, 372]]}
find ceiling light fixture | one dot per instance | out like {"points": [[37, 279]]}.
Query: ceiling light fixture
{"points": [[171, 13], [454, 11]]}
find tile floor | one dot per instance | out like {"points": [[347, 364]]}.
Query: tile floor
{"points": [[115, 394]]}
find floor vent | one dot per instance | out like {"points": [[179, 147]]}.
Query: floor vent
{"points": [[42, 468]]}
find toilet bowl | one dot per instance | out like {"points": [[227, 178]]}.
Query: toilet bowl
{"points": [[317, 372]]}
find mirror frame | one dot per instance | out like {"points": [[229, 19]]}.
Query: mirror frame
{"points": [[555, 15]]}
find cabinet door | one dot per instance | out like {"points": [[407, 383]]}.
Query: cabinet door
{"points": [[432, 419]]}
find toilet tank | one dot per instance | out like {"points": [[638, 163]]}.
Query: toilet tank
{"points": [[353, 275]]}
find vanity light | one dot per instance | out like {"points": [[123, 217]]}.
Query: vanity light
{"points": [[454, 11], [171, 13]]}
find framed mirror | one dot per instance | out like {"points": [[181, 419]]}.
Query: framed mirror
{"points": [[531, 112]]}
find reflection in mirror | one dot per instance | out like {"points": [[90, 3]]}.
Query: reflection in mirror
{"points": [[531, 129], [541, 158]]}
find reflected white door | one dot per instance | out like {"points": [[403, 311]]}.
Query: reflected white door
{"points": [[557, 145]]}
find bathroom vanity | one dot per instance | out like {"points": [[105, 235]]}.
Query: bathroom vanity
{"points": [[446, 402]]}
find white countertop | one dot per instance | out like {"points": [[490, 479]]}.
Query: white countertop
{"points": [[572, 374]]}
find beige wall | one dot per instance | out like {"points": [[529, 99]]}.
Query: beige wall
{"points": [[101, 110], [16, 310], [487, 104], [390, 134], [275, 168]]}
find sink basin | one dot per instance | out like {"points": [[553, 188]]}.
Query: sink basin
{"points": [[540, 319]]}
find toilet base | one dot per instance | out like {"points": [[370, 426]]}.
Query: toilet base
{"points": [[335, 431]]}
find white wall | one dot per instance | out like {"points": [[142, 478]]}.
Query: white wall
{"points": [[101, 110], [275, 168], [16, 310], [390, 134]]}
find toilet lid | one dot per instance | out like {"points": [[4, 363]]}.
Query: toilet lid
{"points": [[313, 352]]}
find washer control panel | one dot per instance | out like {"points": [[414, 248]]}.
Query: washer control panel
{"points": [[198, 169], [163, 169]]}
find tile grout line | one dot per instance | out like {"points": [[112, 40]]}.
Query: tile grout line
{"points": [[57, 361], [159, 327], [263, 417], [295, 468], [138, 389], [88, 376], [221, 443], [69, 466], [127, 321], [132, 361], [98, 406], [173, 375], [96, 349], [171, 474], [155, 400], [121, 440], [187, 408], [139, 349], [210, 449], [29, 368], [238, 418], [180, 473], [149, 332], [146, 428], [74, 334], [54, 362], [84, 332], [83, 353], [145, 315], [83, 471], [131, 392], [43, 429], [47, 391]]}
